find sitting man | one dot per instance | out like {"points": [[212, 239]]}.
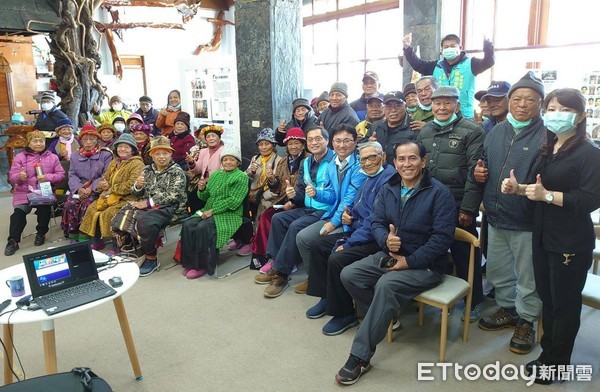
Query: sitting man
{"points": [[412, 222]]}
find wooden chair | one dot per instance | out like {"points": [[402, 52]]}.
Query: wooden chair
{"points": [[591, 291], [596, 252], [450, 291]]}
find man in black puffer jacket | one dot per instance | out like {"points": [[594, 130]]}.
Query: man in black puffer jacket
{"points": [[339, 110]]}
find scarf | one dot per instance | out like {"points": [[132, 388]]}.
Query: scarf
{"points": [[88, 154], [67, 145], [140, 146], [121, 160], [263, 173], [108, 143]]}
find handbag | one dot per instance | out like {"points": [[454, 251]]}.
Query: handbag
{"points": [[106, 201], [77, 380], [36, 199]]}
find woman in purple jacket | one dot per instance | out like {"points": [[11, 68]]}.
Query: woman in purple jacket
{"points": [[23, 176], [88, 164]]}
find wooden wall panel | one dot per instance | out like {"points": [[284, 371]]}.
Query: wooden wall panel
{"points": [[23, 73]]}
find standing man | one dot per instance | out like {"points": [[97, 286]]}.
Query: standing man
{"points": [[47, 120], [412, 222], [425, 87], [455, 69], [514, 144], [412, 101], [148, 113], [339, 110], [496, 103], [370, 87], [453, 146], [374, 113]]}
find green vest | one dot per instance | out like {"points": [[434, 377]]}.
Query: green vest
{"points": [[422, 115], [462, 78]]}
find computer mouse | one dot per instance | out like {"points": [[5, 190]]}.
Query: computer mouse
{"points": [[115, 281]]}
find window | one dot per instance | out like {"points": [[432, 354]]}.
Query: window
{"points": [[573, 21]]}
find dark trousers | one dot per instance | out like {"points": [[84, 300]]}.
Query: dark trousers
{"points": [[149, 224], [324, 272], [460, 254], [245, 232], [559, 286], [18, 220]]}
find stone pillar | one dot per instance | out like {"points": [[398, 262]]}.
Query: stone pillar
{"points": [[422, 18], [269, 64]]}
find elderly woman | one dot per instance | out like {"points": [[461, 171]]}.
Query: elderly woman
{"points": [[208, 229], [285, 173], [117, 109], [302, 117], [108, 135], [66, 143], [181, 139], [30, 168], [88, 164], [134, 119], [160, 190], [115, 188], [166, 117], [202, 163], [567, 190], [141, 134]]}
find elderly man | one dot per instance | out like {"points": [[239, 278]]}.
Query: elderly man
{"points": [[455, 69], [424, 87], [374, 113], [496, 102], [148, 113], [394, 127], [370, 87], [355, 243], [412, 101], [514, 144], [302, 117], [47, 120], [453, 146], [339, 111], [413, 223]]}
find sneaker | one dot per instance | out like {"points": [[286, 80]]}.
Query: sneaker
{"points": [[397, 325], [352, 370], [267, 267], [264, 278], [234, 245], [491, 295], [11, 248], [294, 269], [148, 267], [302, 288], [501, 318], [245, 250], [523, 338], [40, 239], [474, 316], [339, 324], [318, 310], [278, 284], [195, 274]]}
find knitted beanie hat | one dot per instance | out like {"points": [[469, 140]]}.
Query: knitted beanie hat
{"points": [[340, 87], [294, 133], [63, 122], [231, 151], [529, 80], [35, 134]]}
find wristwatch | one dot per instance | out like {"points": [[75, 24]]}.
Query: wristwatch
{"points": [[201, 215], [549, 197]]}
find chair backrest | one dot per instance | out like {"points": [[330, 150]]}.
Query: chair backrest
{"points": [[465, 236]]}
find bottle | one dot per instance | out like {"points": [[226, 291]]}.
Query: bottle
{"points": [[38, 169]]}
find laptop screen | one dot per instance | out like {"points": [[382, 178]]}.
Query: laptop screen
{"points": [[59, 268]]}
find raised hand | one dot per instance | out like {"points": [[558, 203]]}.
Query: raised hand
{"points": [[290, 191], [393, 241], [373, 137], [536, 192], [140, 181], [201, 184], [23, 175], [281, 126], [481, 172], [510, 185], [253, 165], [407, 40], [310, 189]]}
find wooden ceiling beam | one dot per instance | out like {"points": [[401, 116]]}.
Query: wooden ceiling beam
{"points": [[219, 5]]}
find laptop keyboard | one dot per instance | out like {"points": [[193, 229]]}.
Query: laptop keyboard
{"points": [[74, 292]]}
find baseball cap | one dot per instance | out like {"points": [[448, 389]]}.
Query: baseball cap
{"points": [[394, 96], [498, 88]]}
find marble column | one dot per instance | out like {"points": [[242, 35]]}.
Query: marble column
{"points": [[422, 18], [269, 64]]}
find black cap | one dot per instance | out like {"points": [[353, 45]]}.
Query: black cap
{"points": [[409, 89], [145, 98], [394, 96]]}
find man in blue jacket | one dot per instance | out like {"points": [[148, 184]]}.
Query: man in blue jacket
{"points": [[355, 243], [413, 223]]}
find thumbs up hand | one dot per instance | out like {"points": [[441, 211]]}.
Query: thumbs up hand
{"points": [[290, 191], [23, 175], [393, 241], [310, 189], [253, 165], [281, 126], [407, 40], [140, 181], [536, 192], [510, 185], [481, 172], [346, 217], [373, 137]]}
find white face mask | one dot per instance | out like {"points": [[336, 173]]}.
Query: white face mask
{"points": [[117, 107], [119, 126], [47, 106]]}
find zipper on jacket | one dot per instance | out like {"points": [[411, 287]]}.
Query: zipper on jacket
{"points": [[499, 184]]}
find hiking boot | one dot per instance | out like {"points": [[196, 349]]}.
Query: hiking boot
{"points": [[245, 250], [40, 239], [11, 248], [474, 315], [352, 370], [302, 288], [318, 310], [501, 318], [148, 267], [278, 284], [339, 324], [523, 338], [491, 295], [264, 278]]}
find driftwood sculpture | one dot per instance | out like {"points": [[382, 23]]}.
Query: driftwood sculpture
{"points": [[215, 42]]}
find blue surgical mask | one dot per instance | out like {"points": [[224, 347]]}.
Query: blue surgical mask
{"points": [[444, 123], [423, 107], [411, 110], [559, 122], [451, 53], [518, 125], [174, 107]]}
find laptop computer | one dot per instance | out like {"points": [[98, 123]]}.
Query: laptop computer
{"points": [[65, 277]]}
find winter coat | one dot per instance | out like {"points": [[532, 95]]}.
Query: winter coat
{"points": [[108, 116], [150, 119], [82, 169], [283, 173], [422, 115], [360, 106], [332, 117], [165, 188], [389, 137], [308, 123], [451, 152], [167, 123], [47, 121], [224, 195], [51, 168], [267, 197], [205, 163], [55, 147], [425, 223], [181, 143], [318, 180]]}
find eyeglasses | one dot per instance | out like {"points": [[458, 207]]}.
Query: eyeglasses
{"points": [[339, 142], [371, 158], [317, 139]]}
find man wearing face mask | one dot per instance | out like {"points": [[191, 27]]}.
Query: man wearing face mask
{"points": [[108, 116], [423, 113], [47, 121], [513, 148], [455, 69]]}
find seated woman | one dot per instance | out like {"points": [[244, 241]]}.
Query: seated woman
{"points": [[66, 143], [115, 186], [181, 139], [134, 119], [88, 164], [31, 167], [208, 229], [141, 134], [203, 163], [108, 135], [119, 125], [160, 189], [285, 173]]}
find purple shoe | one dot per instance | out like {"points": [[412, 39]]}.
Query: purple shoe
{"points": [[245, 250]]}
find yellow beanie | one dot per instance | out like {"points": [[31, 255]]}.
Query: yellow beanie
{"points": [[35, 134]]}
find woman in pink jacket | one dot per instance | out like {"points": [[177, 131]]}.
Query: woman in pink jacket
{"points": [[23, 175]]}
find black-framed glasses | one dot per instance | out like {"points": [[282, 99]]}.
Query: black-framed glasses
{"points": [[371, 158]]}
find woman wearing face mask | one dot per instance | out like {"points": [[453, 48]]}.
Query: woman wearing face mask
{"points": [[119, 125], [117, 109], [166, 116], [66, 143], [108, 135], [567, 190]]}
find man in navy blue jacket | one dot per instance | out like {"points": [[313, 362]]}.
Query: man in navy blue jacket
{"points": [[413, 222]]}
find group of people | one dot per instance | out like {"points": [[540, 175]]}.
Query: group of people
{"points": [[387, 177]]}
